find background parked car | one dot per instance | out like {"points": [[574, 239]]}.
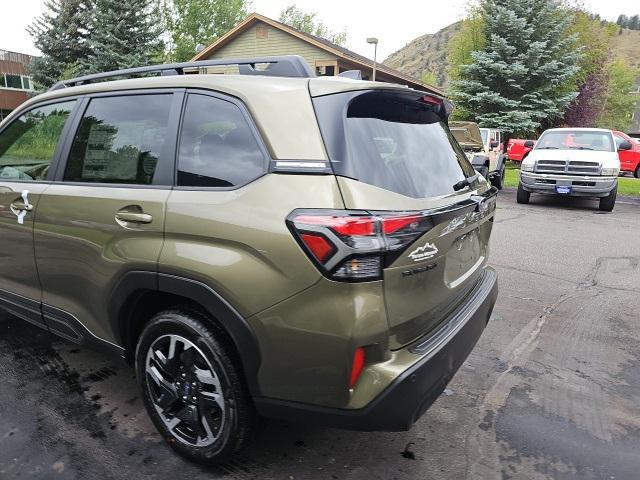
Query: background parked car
{"points": [[483, 148], [517, 150], [629, 159], [581, 162]]}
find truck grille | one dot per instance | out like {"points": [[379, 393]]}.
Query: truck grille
{"points": [[573, 167]]}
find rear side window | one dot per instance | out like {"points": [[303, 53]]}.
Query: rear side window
{"points": [[28, 144], [396, 142], [120, 140], [217, 146]]}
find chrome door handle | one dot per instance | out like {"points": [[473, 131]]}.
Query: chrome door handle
{"points": [[134, 217], [20, 206]]}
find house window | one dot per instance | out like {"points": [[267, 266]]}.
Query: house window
{"points": [[13, 81], [18, 82]]}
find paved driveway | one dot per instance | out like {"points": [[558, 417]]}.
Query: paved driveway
{"points": [[551, 390]]}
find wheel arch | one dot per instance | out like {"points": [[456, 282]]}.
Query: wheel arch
{"points": [[140, 295]]}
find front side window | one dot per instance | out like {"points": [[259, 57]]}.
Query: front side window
{"points": [[576, 140], [28, 144], [217, 146], [120, 139]]}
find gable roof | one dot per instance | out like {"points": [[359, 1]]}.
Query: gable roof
{"points": [[322, 43]]}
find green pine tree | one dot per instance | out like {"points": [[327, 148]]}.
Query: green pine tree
{"points": [[123, 34], [191, 23], [60, 34], [521, 80]]}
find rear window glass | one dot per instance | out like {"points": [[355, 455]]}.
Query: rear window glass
{"points": [[576, 140], [398, 143]]}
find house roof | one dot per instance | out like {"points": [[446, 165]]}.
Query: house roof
{"points": [[319, 42]]}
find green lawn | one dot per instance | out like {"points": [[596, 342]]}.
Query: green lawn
{"points": [[626, 185]]}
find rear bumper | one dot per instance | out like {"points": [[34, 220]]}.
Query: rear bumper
{"points": [[399, 406], [581, 186]]}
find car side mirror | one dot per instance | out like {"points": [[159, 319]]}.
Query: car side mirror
{"points": [[529, 144], [625, 146], [494, 144]]}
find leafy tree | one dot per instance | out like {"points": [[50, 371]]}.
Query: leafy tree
{"points": [[595, 39], [619, 101], [429, 77], [634, 23], [623, 21], [60, 34], [123, 34], [190, 23], [521, 79], [468, 38], [308, 22]]}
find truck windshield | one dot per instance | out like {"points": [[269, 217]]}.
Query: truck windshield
{"points": [[576, 140], [394, 142]]}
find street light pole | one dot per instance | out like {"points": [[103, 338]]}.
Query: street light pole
{"points": [[375, 54]]}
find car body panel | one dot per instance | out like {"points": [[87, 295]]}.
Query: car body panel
{"points": [[516, 150], [82, 251], [237, 243], [629, 159], [17, 263]]}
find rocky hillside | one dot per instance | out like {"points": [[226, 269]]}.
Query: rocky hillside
{"points": [[428, 53]]}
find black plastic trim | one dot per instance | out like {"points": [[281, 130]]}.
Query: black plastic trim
{"points": [[22, 307], [67, 326], [228, 318], [401, 404]]}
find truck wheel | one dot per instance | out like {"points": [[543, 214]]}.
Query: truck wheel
{"points": [[607, 203], [522, 196], [637, 172], [192, 386]]}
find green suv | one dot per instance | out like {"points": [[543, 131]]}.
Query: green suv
{"points": [[263, 243]]}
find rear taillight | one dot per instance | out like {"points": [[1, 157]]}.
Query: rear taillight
{"points": [[357, 366], [354, 245]]}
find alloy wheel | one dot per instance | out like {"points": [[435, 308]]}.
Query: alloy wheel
{"points": [[185, 390]]}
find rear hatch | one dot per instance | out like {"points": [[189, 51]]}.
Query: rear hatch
{"points": [[395, 157]]}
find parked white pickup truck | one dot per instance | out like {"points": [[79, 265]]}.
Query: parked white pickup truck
{"points": [[572, 162]]}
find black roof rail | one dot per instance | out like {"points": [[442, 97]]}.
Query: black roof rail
{"points": [[280, 66]]}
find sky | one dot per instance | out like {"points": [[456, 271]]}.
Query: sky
{"points": [[394, 23]]}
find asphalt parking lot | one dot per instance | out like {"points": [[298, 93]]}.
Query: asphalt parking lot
{"points": [[552, 390]]}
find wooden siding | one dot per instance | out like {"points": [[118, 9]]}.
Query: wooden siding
{"points": [[247, 44]]}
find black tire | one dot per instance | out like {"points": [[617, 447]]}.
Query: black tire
{"points": [[522, 196], [637, 172], [196, 396], [607, 203]]}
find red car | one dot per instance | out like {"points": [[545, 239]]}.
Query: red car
{"points": [[516, 150], [629, 159]]}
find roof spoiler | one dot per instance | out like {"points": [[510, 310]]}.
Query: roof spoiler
{"points": [[280, 66]]}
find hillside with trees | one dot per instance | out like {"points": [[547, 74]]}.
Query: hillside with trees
{"points": [[606, 68]]}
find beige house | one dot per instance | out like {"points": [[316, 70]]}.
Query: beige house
{"points": [[258, 35]]}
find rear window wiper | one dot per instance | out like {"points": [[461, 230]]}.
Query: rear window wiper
{"points": [[467, 182]]}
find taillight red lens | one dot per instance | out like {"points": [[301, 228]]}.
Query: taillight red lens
{"points": [[351, 245], [319, 246], [348, 226], [356, 366], [393, 224]]}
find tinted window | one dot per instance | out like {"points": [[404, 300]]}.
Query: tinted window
{"points": [[401, 144], [120, 140], [618, 140], [217, 147], [575, 140], [27, 145]]}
